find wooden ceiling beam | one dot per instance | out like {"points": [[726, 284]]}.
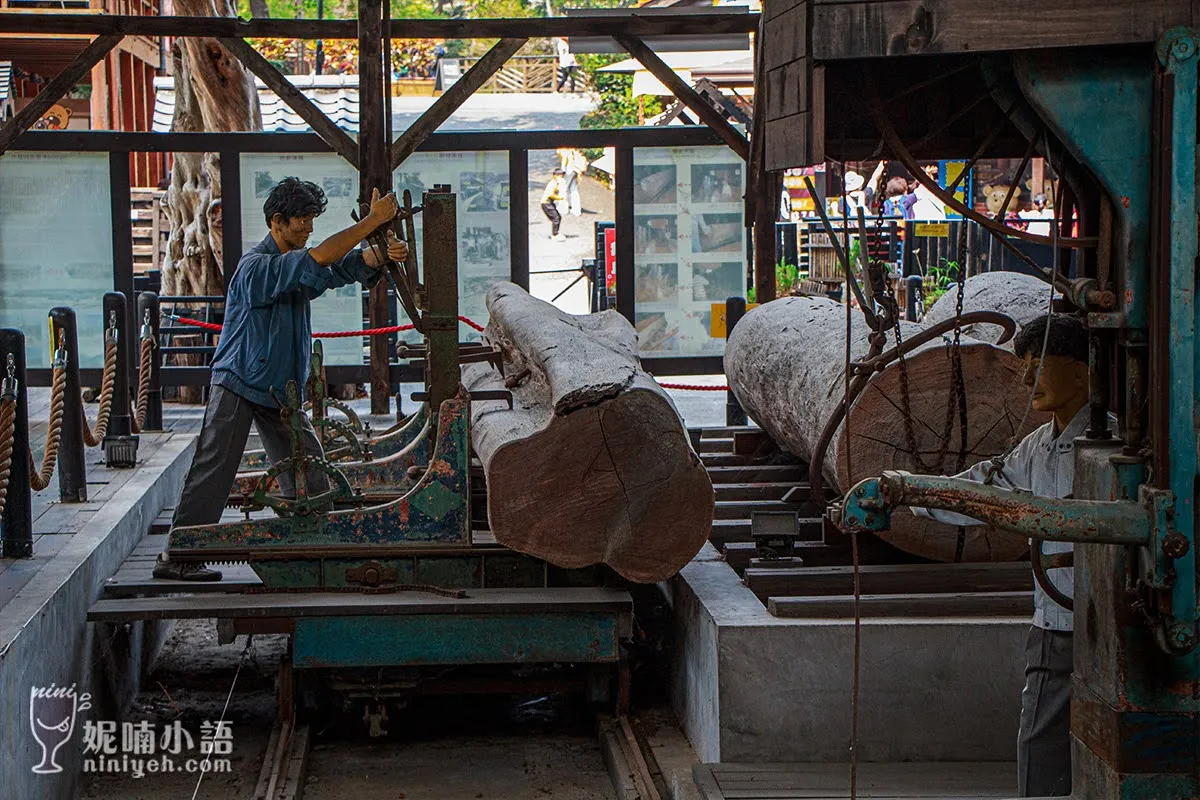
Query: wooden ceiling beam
{"points": [[633, 24]]}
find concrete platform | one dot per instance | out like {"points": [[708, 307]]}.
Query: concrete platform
{"points": [[44, 636], [750, 687]]}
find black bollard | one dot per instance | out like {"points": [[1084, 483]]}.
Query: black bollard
{"points": [[148, 313], [913, 285], [735, 309], [120, 445], [72, 466], [16, 536]]}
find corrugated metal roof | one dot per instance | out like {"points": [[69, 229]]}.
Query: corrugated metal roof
{"points": [[335, 95], [6, 90]]}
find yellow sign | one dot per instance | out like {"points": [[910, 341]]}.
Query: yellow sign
{"points": [[717, 327], [939, 229]]}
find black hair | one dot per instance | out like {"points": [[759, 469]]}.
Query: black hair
{"points": [[293, 198], [1068, 337]]}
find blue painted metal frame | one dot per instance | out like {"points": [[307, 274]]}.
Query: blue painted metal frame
{"points": [[427, 639], [436, 510]]}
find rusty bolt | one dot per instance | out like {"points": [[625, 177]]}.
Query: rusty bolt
{"points": [[370, 576], [861, 492], [1181, 637], [1175, 545], [869, 519]]}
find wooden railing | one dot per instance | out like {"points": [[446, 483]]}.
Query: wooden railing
{"points": [[527, 74]]}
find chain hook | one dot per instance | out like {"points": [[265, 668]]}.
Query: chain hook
{"points": [[112, 334], [147, 332], [8, 391], [60, 354]]}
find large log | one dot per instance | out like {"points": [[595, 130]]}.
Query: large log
{"points": [[785, 364], [593, 463], [1023, 297]]}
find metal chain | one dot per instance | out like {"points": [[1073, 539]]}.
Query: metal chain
{"points": [[960, 389]]}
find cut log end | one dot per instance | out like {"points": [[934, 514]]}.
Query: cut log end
{"points": [[592, 464], [785, 364]]}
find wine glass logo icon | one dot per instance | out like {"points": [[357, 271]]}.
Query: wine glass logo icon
{"points": [[52, 713]]}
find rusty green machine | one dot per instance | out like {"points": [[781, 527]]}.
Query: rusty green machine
{"points": [[1127, 120], [380, 565]]}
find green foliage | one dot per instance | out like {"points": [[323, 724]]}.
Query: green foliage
{"points": [[786, 276], [750, 295], [617, 108], [937, 280]]}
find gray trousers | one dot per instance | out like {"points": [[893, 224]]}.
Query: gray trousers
{"points": [[1044, 742], [219, 452]]}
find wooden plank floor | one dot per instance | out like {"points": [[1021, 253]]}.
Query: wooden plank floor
{"points": [[959, 780], [55, 522]]}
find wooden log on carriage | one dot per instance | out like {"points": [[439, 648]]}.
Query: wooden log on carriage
{"points": [[1023, 297], [593, 463], [785, 363]]}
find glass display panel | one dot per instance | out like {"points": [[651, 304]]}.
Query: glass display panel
{"points": [[56, 247]]}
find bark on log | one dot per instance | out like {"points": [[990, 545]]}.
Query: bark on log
{"points": [[593, 464], [1023, 297], [213, 93], [785, 364]]}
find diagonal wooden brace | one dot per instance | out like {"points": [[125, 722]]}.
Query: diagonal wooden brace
{"points": [[334, 136], [452, 98], [55, 89], [709, 115]]}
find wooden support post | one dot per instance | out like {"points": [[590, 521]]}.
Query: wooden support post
{"points": [[452, 98], [709, 115], [760, 207], [55, 89], [72, 466], [16, 521], [374, 173], [338, 139]]}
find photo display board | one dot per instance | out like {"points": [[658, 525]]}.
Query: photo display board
{"points": [[689, 245], [479, 179], [56, 248]]}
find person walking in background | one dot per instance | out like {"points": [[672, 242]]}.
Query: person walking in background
{"points": [[566, 64], [574, 165], [1040, 213], [555, 192]]}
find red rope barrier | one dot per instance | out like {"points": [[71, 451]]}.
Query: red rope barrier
{"points": [[212, 326]]}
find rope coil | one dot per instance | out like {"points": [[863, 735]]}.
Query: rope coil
{"points": [[142, 408], [8, 422], [93, 437], [39, 479]]}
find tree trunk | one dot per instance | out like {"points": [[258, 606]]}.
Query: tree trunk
{"points": [[1023, 297], [785, 364], [593, 464], [213, 93]]}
